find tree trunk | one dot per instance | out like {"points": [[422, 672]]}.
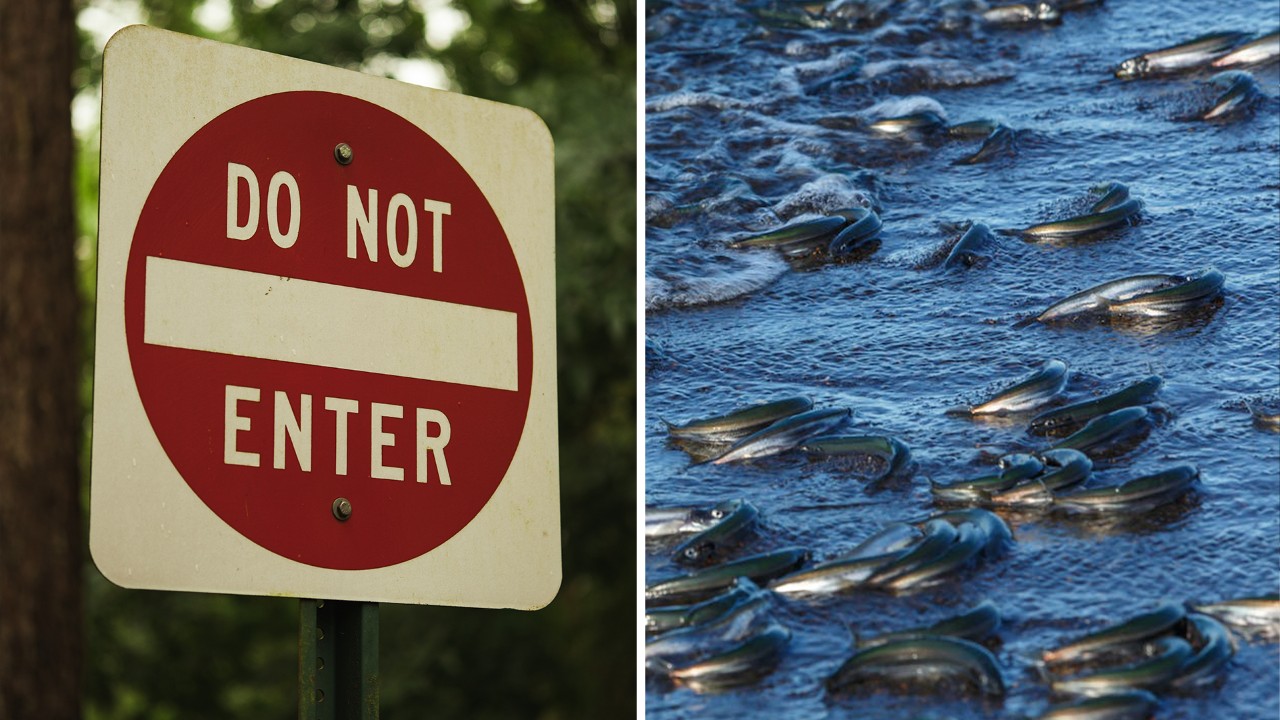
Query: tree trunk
{"points": [[40, 522]]}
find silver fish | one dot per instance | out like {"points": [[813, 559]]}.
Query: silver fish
{"points": [[1254, 52], [1027, 394], [1240, 94], [784, 435], [1096, 298], [1180, 58], [1137, 495]]}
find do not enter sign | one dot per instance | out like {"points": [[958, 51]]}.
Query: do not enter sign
{"points": [[409, 411], [326, 325]]}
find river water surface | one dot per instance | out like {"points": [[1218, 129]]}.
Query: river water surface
{"points": [[756, 115]]}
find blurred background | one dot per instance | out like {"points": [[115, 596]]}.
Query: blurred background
{"points": [[74, 645]]}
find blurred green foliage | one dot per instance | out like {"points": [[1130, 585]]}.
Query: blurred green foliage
{"points": [[179, 655]]}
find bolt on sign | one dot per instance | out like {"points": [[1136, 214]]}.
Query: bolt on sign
{"points": [[325, 334]]}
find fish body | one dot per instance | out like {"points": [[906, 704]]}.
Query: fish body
{"points": [[1027, 394], [784, 435], [835, 575], [1179, 58], [1118, 705], [735, 624], [892, 451], [1254, 52], [1213, 650], [1137, 629], [967, 250], [700, 584], [939, 536], [1002, 141], [1064, 468], [1013, 469], [1022, 13], [741, 422], [1251, 615], [969, 543], [855, 235], [1154, 673], [1104, 432], [1096, 298], [662, 619], [973, 129], [1241, 93], [1137, 495], [712, 543], [995, 529], [1192, 292], [793, 233], [1072, 417], [1118, 214], [920, 122], [661, 523], [893, 536], [738, 665], [1113, 194], [979, 623], [921, 660]]}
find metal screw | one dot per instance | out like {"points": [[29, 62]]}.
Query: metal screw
{"points": [[343, 154], [342, 509]]}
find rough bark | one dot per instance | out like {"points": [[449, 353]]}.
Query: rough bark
{"points": [[40, 523]]}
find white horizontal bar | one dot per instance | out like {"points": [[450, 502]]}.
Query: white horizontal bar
{"points": [[237, 312]]}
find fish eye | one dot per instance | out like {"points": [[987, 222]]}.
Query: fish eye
{"points": [[692, 553]]}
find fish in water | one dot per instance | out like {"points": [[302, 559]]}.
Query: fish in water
{"points": [[1069, 418], [1003, 141], [892, 452], [1118, 705], [1258, 615], [739, 423], [784, 434], [1142, 627], [922, 662], [1138, 495], [1168, 655], [1022, 13], [1191, 293], [663, 523], [1240, 94], [1136, 295], [740, 665], [925, 121], [1027, 394], [704, 583], [1214, 647], [1184, 57], [714, 542], [1114, 209], [967, 252], [977, 625], [1254, 52]]}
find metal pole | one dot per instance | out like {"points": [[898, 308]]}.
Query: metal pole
{"points": [[338, 660]]}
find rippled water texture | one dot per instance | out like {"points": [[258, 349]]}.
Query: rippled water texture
{"points": [[754, 119]]}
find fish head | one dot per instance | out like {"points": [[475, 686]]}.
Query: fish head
{"points": [[1133, 68], [1046, 11], [697, 553]]}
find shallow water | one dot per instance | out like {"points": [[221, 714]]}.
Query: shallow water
{"points": [[750, 124]]}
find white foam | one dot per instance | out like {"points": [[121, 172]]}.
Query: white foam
{"points": [[680, 99], [754, 271]]}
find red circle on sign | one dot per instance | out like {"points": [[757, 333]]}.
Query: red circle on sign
{"points": [[191, 396]]}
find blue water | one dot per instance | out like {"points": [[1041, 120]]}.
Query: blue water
{"points": [[753, 121]]}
